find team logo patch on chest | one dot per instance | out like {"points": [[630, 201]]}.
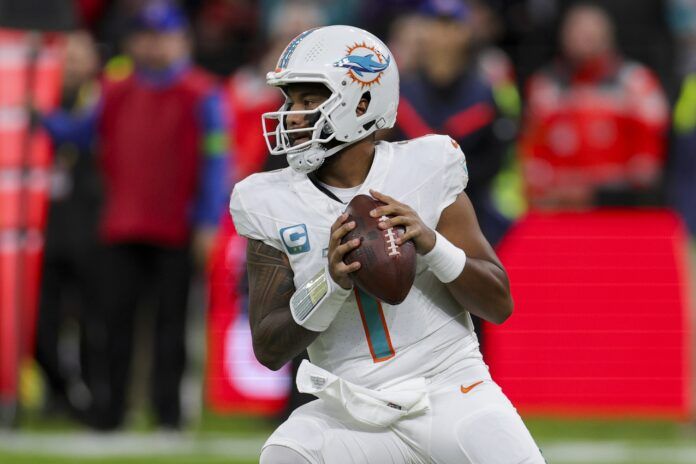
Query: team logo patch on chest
{"points": [[295, 239]]}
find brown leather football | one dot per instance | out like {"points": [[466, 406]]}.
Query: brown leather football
{"points": [[387, 270]]}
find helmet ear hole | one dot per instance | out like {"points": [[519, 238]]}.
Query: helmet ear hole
{"points": [[363, 104]]}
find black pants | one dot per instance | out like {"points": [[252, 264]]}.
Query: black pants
{"points": [[129, 273], [68, 293]]}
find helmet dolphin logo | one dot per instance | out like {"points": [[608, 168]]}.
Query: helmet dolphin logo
{"points": [[362, 64]]}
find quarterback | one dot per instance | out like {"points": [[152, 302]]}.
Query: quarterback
{"points": [[395, 384]]}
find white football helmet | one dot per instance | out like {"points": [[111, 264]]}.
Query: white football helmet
{"points": [[350, 62]]}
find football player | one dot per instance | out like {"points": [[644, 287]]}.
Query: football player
{"points": [[396, 384]]}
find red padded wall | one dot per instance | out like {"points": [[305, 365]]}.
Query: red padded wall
{"points": [[601, 324]]}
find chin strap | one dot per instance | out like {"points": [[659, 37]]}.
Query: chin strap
{"points": [[309, 159]]}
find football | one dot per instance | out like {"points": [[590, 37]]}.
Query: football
{"points": [[387, 270]]}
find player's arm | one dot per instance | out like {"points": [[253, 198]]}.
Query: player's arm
{"points": [[482, 286], [276, 337], [285, 321]]}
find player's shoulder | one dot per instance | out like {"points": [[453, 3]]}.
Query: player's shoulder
{"points": [[262, 184], [428, 140], [429, 151], [638, 77], [115, 85], [255, 203]]}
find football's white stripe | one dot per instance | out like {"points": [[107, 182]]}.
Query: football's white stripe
{"points": [[391, 239]]}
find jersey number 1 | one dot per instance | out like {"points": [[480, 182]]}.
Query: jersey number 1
{"points": [[375, 326]]}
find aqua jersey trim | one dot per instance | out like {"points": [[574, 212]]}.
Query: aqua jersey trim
{"points": [[375, 326]]}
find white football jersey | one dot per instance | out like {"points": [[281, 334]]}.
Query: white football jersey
{"points": [[370, 343]]}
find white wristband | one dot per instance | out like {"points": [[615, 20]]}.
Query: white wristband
{"points": [[445, 260], [315, 304]]}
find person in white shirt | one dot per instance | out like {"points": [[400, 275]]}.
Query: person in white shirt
{"points": [[396, 384]]}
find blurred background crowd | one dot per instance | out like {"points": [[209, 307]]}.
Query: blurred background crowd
{"points": [[558, 105]]}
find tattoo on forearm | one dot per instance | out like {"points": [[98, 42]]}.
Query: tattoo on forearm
{"points": [[275, 334], [270, 277]]}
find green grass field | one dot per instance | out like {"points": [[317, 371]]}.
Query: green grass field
{"points": [[12, 458], [236, 440]]}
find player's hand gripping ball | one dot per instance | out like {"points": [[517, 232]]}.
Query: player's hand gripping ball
{"points": [[387, 268]]}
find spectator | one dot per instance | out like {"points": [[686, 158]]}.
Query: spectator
{"points": [[683, 163], [68, 286], [405, 42], [378, 17], [450, 95], [496, 66], [494, 63], [595, 123], [641, 31], [226, 34], [162, 142]]}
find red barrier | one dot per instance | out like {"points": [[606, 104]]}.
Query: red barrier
{"points": [[601, 321], [9, 319], [25, 157]]}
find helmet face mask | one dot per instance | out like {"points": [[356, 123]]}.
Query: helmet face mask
{"points": [[321, 129], [349, 62]]}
